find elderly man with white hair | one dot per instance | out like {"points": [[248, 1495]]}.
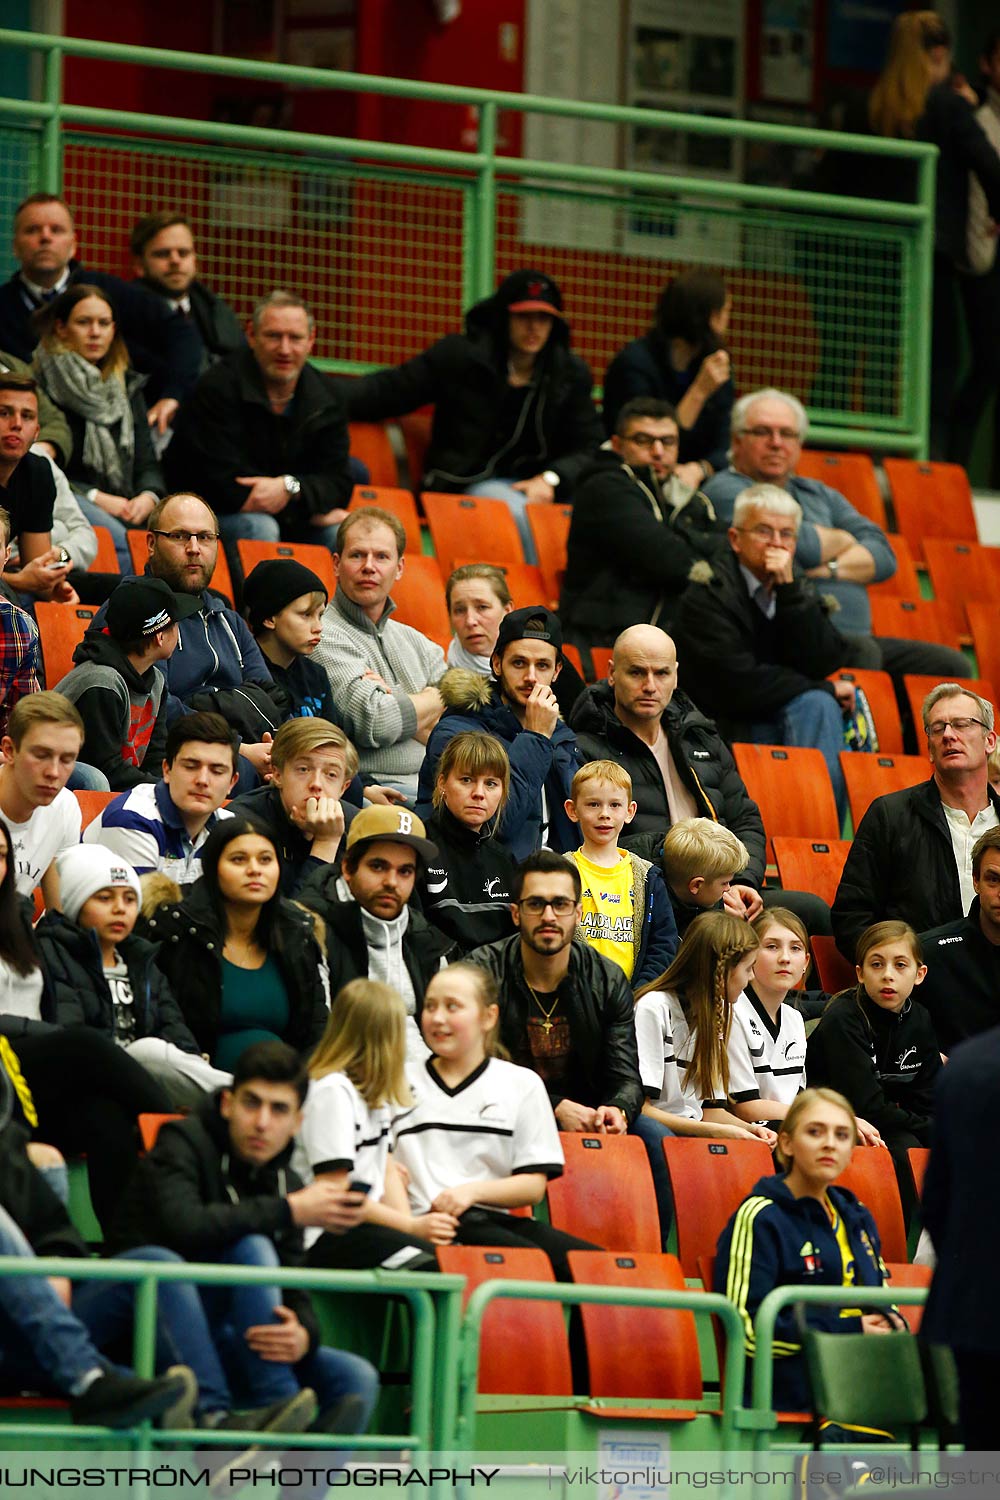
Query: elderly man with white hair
{"points": [[758, 641], [841, 550]]}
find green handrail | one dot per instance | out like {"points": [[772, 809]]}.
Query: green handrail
{"points": [[761, 1417], [703, 1304], [423, 1291]]}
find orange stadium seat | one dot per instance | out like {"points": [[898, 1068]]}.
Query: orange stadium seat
{"points": [[523, 579], [149, 1128], [309, 554], [870, 1175], [550, 530], [670, 1368], [471, 526], [961, 571], [709, 1180], [811, 865], [985, 639], [92, 804], [930, 500], [791, 786], [871, 776], [106, 560], [834, 970], [905, 581], [918, 686], [416, 430], [524, 1350], [881, 696], [853, 474], [919, 1156], [370, 443], [419, 598], [400, 502], [220, 579], [61, 628], [911, 619], [605, 1194]]}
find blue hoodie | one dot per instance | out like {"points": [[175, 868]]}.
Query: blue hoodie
{"points": [[775, 1239]]}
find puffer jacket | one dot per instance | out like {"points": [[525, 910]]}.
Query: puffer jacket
{"points": [[190, 942], [464, 376], [537, 764], [597, 999], [704, 764]]}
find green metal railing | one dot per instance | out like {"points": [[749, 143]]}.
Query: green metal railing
{"points": [[390, 241]]}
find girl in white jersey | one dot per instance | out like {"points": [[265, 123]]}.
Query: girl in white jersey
{"points": [[482, 1138], [683, 1022], [357, 1089]]}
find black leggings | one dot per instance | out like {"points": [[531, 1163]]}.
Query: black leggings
{"points": [[88, 1093]]}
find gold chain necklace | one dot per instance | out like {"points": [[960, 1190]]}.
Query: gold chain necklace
{"points": [[547, 1022]]}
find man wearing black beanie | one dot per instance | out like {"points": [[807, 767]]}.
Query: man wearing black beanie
{"points": [[283, 602]]}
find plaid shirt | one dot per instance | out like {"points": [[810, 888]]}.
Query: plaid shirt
{"points": [[19, 658]]}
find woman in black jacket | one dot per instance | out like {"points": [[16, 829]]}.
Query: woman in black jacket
{"points": [[82, 363], [466, 891], [513, 415], [245, 964], [87, 1092]]}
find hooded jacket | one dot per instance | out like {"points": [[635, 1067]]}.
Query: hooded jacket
{"points": [[464, 377], [537, 764], [466, 892], [635, 568], [704, 765], [643, 368], [901, 865], [194, 1195], [775, 1239], [885, 1064], [229, 429], [423, 947], [748, 667], [72, 957], [597, 1000], [124, 712], [190, 940]]}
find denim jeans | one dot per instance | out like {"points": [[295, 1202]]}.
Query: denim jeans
{"points": [[813, 718], [119, 531], [84, 778], [42, 1343], [652, 1134]]}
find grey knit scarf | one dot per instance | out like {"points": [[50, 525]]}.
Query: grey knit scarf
{"points": [[74, 383]]}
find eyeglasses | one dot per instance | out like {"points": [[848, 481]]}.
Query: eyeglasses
{"points": [[648, 440], [786, 434], [937, 729], [771, 534], [182, 537], [561, 905]]}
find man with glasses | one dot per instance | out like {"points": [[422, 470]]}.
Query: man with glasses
{"points": [[911, 858], [636, 532], [758, 643], [841, 550], [216, 650], [567, 1013]]}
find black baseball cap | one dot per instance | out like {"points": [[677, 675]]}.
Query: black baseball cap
{"points": [[142, 606], [533, 623]]}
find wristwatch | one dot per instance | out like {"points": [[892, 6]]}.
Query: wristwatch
{"points": [[292, 485], [834, 567], [551, 477]]}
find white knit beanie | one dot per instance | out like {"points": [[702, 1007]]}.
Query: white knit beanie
{"points": [[87, 868]]}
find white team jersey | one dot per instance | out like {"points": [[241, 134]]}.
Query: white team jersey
{"points": [[664, 1042], [766, 1062], [497, 1123], [340, 1133]]}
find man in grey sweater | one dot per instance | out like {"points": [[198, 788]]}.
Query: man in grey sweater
{"points": [[383, 675]]}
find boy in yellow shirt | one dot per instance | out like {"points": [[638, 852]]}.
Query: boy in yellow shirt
{"points": [[627, 915], [701, 859]]}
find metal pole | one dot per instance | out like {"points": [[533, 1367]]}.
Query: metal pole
{"points": [[51, 163], [484, 254], [922, 283]]}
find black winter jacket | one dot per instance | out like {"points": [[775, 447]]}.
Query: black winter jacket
{"points": [[597, 999], [743, 667], [635, 567], [217, 326], [467, 892], [704, 764], [228, 429], [464, 376], [72, 957], [900, 867], [190, 955], [961, 993], [643, 368], [194, 1195], [297, 863], [537, 764], [886, 1064], [347, 948], [31, 1203]]}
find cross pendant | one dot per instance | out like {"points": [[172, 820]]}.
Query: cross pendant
{"points": [[546, 1027]]}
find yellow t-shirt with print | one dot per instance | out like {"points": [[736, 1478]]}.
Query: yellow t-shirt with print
{"points": [[607, 922]]}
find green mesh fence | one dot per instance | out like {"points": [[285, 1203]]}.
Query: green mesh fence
{"points": [[819, 303], [19, 148], [378, 255]]}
